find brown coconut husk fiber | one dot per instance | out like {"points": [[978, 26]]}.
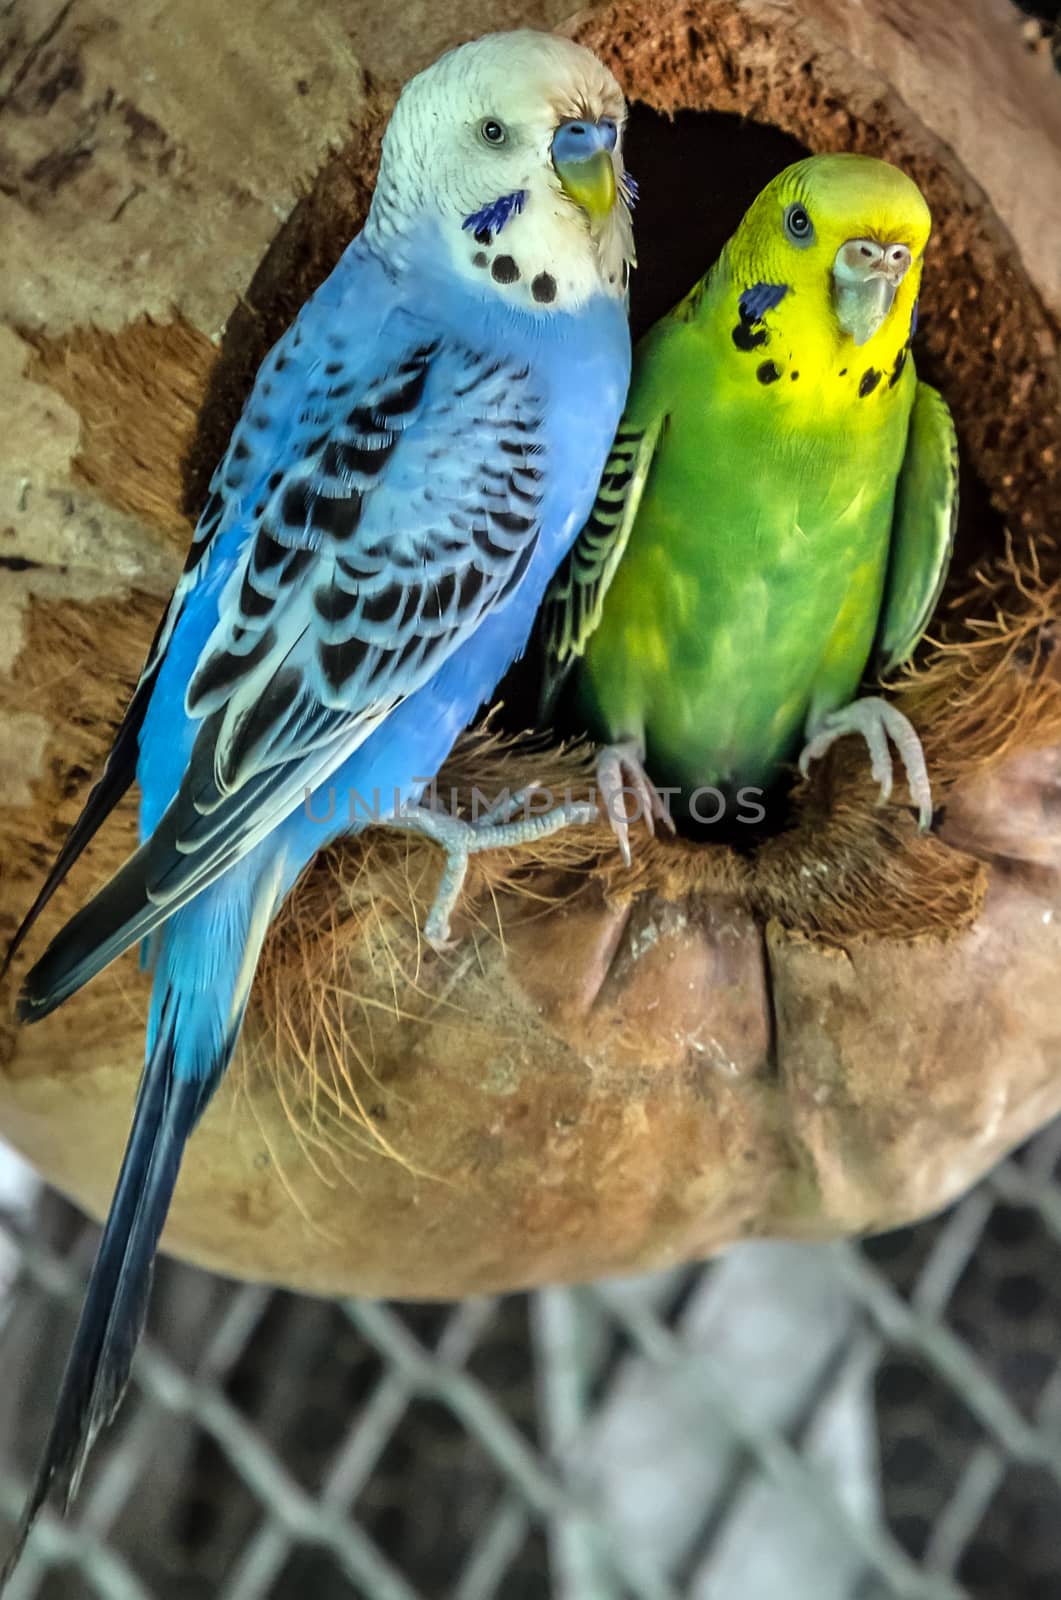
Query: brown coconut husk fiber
{"points": [[610, 1069]]}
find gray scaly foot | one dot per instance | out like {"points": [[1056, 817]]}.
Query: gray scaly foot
{"points": [[877, 721], [620, 772], [494, 830]]}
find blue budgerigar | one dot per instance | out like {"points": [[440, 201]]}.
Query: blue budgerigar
{"points": [[417, 455]]}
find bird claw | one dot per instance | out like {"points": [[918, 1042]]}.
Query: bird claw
{"points": [[877, 721], [438, 936], [620, 771], [494, 830]]}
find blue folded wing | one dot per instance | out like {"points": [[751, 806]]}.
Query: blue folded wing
{"points": [[402, 509]]}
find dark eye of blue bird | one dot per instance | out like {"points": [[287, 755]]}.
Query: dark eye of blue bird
{"points": [[492, 131], [798, 225]]}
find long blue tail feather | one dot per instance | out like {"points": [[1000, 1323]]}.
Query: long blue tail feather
{"points": [[112, 1318]]}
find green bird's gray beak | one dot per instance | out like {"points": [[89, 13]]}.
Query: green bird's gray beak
{"points": [[582, 157], [866, 275]]}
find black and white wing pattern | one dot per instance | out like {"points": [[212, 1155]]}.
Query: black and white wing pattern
{"points": [[374, 552], [375, 555]]}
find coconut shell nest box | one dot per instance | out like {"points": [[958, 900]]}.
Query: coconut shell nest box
{"points": [[836, 1031]]}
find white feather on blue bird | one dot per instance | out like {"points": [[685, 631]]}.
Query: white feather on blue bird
{"points": [[416, 457]]}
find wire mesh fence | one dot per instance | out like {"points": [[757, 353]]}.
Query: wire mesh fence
{"points": [[839, 1422]]}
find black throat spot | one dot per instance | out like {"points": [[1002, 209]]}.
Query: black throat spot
{"points": [[504, 270], [749, 334]]}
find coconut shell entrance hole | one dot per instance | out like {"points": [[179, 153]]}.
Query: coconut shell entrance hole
{"points": [[833, 1033]]}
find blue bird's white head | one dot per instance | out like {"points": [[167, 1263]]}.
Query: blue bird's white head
{"points": [[511, 148]]}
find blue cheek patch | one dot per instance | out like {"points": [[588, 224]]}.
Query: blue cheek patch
{"points": [[913, 320], [493, 217], [761, 298], [628, 185]]}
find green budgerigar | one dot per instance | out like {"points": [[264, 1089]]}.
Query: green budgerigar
{"points": [[778, 510]]}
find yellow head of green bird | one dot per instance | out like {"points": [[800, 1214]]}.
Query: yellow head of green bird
{"points": [[833, 247]]}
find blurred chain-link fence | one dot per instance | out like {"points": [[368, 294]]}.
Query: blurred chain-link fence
{"points": [[787, 1423]]}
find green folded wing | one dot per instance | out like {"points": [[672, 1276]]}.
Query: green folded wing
{"points": [[926, 512], [574, 601]]}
